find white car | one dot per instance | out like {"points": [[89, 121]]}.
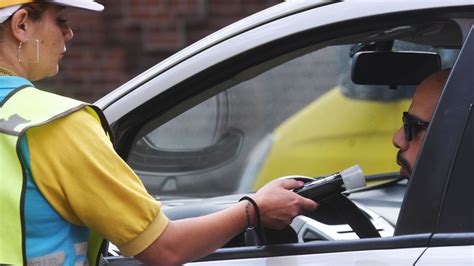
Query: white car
{"points": [[192, 128]]}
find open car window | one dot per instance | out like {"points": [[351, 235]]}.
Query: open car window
{"points": [[302, 117]]}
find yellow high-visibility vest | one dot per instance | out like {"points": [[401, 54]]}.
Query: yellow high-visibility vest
{"points": [[24, 108]]}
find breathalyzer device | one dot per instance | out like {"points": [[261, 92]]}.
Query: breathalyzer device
{"points": [[321, 188]]}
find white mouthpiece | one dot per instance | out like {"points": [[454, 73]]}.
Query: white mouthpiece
{"points": [[353, 177]]}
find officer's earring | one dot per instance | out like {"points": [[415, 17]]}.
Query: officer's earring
{"points": [[26, 60]]}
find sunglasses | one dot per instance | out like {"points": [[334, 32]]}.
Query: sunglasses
{"points": [[412, 125]]}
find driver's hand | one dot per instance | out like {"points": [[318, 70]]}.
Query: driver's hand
{"points": [[278, 206]]}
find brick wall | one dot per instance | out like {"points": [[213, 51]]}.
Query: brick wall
{"points": [[111, 47]]}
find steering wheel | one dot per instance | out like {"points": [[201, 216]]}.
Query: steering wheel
{"points": [[337, 209]]}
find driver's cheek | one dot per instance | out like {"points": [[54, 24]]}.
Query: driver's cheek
{"points": [[416, 144]]}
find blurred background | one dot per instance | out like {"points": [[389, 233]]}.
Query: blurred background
{"points": [[128, 37]]}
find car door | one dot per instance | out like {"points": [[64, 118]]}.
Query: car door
{"points": [[237, 83]]}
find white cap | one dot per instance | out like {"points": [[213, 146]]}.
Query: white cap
{"points": [[84, 4], [353, 177], [6, 12], [8, 7]]}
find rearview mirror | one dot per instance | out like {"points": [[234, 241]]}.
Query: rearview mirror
{"points": [[393, 68]]}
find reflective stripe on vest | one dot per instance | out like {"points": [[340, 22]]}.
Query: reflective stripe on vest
{"points": [[24, 108]]}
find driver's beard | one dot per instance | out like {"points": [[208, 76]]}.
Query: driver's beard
{"points": [[404, 163]]}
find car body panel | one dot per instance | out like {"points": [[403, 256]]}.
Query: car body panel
{"points": [[458, 255], [360, 258]]}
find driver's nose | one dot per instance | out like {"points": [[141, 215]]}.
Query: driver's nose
{"points": [[399, 140]]}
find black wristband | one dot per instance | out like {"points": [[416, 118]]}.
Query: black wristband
{"points": [[257, 229], [257, 211]]}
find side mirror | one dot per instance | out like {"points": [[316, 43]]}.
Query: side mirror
{"points": [[393, 68]]}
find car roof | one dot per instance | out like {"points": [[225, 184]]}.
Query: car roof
{"points": [[267, 16]]}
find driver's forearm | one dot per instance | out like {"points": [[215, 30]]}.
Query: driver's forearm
{"points": [[189, 239]]}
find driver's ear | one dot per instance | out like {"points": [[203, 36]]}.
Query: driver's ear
{"points": [[20, 25]]}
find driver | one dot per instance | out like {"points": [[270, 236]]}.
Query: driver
{"points": [[409, 138]]}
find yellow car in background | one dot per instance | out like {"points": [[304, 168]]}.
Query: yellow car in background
{"points": [[360, 133]]}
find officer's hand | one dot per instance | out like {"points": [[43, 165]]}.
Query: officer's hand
{"points": [[279, 206]]}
